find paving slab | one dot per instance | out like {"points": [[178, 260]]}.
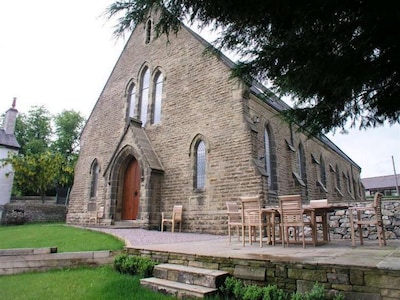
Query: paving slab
{"points": [[335, 252]]}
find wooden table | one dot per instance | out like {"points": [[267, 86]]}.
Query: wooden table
{"points": [[313, 212], [322, 212]]}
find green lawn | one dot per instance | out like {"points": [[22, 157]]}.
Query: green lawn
{"points": [[81, 283], [65, 238], [78, 284]]}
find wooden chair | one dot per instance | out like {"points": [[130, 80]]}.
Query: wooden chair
{"points": [[321, 219], [292, 215], [363, 220], [252, 218], [234, 218], [176, 217]]}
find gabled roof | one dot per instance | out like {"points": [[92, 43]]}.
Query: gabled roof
{"points": [[388, 181], [8, 140], [266, 95]]}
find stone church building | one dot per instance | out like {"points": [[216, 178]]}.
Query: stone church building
{"points": [[172, 127]]}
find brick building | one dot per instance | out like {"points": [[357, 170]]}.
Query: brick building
{"points": [[171, 127]]}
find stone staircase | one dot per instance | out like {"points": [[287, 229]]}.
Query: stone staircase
{"points": [[185, 282]]}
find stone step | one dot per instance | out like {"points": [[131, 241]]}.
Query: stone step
{"points": [[177, 289], [190, 275]]}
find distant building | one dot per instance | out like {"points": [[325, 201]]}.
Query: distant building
{"points": [[383, 184], [8, 143]]}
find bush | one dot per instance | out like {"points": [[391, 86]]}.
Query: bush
{"points": [[235, 289], [134, 265]]}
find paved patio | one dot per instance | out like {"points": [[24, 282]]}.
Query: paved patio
{"points": [[336, 252]]}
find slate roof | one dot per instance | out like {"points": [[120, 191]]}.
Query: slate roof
{"points": [[8, 140], [382, 182], [262, 92]]}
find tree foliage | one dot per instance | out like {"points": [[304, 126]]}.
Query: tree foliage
{"points": [[47, 156], [33, 130], [339, 60], [35, 172]]}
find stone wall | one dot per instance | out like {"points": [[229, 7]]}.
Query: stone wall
{"points": [[365, 283], [20, 213], [339, 221]]}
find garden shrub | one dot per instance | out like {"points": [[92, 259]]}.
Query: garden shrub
{"points": [[134, 265], [235, 289]]}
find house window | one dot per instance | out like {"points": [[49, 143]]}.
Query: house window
{"points": [[144, 96], [148, 32], [200, 166], [132, 101], [158, 82], [95, 177]]}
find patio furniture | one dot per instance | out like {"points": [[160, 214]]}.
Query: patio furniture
{"points": [[175, 217], [234, 218], [321, 219], [252, 218], [292, 215], [364, 219]]}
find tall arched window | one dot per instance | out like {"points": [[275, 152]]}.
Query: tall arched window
{"points": [[338, 185], [132, 101], [302, 162], [349, 183], [267, 147], [95, 177], [200, 167], [158, 83], [322, 170], [148, 32], [144, 95]]}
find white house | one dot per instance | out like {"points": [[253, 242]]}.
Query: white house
{"points": [[8, 143]]}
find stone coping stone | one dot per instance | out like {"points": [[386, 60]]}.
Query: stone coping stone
{"points": [[27, 251]]}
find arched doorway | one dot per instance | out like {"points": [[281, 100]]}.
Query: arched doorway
{"points": [[131, 191]]}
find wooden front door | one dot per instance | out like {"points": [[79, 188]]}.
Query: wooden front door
{"points": [[131, 194]]}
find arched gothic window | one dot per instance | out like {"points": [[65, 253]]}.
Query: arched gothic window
{"points": [[95, 178], [200, 165], [338, 185], [322, 170], [148, 32], [270, 165], [302, 162], [158, 83], [132, 101], [144, 95]]}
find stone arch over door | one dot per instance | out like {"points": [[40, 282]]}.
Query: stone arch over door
{"points": [[125, 180]]}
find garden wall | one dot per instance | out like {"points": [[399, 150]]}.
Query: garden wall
{"points": [[339, 221], [32, 212]]}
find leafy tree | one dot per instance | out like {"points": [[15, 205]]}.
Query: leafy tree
{"points": [[45, 161], [339, 60], [68, 125], [33, 131], [35, 172]]}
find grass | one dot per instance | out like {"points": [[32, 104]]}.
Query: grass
{"points": [[82, 283], [65, 238], [78, 283]]}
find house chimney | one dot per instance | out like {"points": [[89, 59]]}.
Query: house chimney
{"points": [[10, 119]]}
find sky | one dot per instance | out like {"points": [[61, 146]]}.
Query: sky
{"points": [[59, 54]]}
